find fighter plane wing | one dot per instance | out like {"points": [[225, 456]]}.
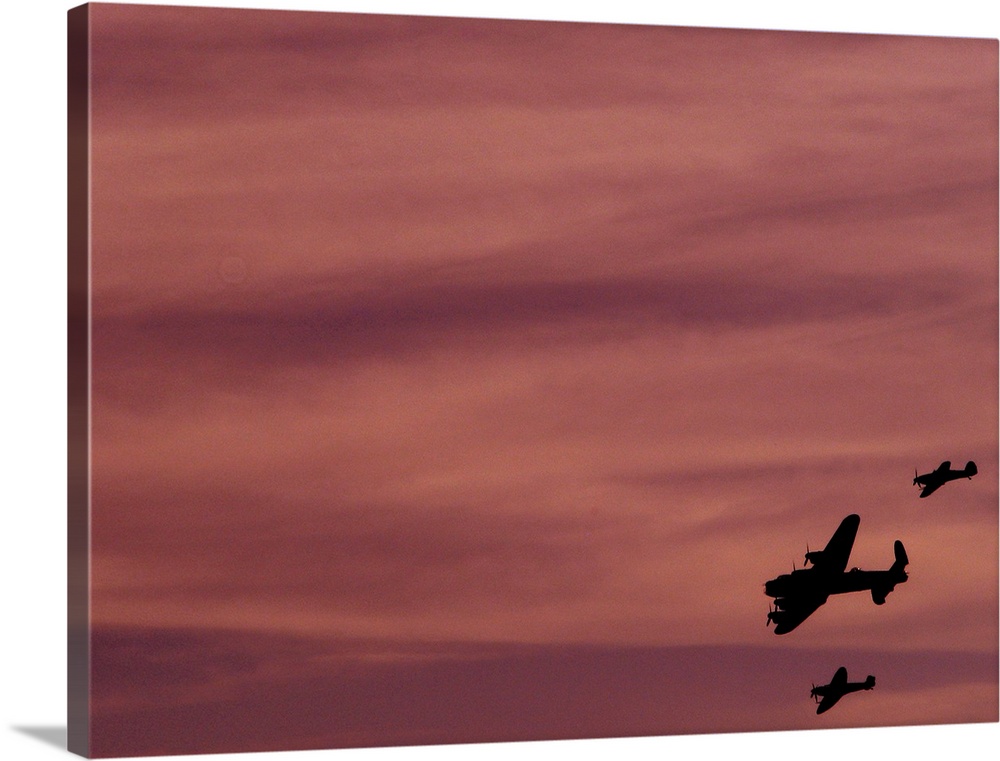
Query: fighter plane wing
{"points": [[835, 690], [930, 489], [828, 702], [796, 609], [837, 552]]}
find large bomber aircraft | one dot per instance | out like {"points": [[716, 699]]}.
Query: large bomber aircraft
{"points": [[838, 687], [798, 594], [937, 478]]}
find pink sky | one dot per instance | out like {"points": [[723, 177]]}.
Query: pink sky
{"points": [[465, 380]]}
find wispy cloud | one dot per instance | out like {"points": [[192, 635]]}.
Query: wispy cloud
{"points": [[232, 691]]}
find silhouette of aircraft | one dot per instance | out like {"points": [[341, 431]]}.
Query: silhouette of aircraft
{"points": [[936, 479], [838, 687], [798, 594]]}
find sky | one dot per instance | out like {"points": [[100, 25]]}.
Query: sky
{"points": [[459, 381]]}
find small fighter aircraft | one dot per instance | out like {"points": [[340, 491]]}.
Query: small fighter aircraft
{"points": [[798, 594], [934, 480], [838, 687]]}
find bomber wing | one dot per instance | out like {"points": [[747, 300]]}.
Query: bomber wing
{"points": [[838, 550], [797, 608], [800, 596]]}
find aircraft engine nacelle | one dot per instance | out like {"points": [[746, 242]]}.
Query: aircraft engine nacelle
{"points": [[879, 595], [812, 557], [778, 587]]}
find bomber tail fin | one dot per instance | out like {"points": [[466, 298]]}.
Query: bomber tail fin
{"points": [[895, 575], [901, 559]]}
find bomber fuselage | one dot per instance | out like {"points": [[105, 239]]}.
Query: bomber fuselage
{"points": [[808, 581]]}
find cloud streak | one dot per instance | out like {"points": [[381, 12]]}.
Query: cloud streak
{"points": [[233, 691], [437, 311]]}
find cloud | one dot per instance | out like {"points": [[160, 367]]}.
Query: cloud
{"points": [[245, 692], [423, 312]]}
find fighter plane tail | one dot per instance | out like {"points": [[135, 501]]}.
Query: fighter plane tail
{"points": [[971, 469]]}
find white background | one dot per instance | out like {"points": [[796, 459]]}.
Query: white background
{"points": [[33, 652]]}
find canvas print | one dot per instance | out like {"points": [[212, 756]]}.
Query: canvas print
{"points": [[444, 380]]}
